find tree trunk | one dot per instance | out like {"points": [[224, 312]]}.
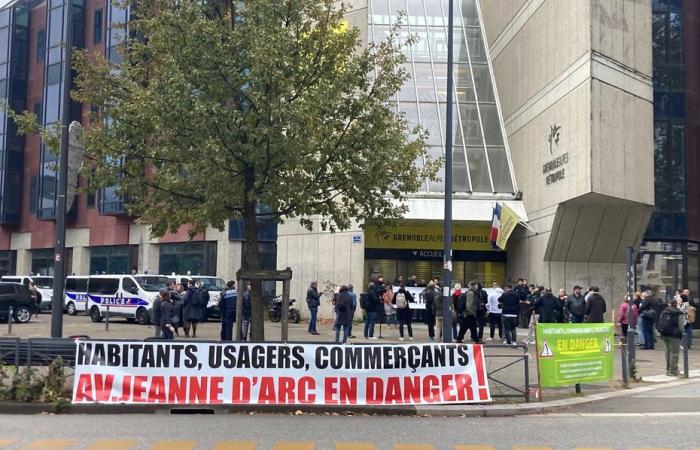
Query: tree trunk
{"points": [[252, 256]]}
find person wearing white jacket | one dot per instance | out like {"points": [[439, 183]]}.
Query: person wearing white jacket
{"points": [[495, 312]]}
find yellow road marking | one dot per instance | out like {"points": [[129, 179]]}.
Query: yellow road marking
{"points": [[474, 447], [112, 444], [413, 447], [174, 445], [51, 444], [6, 442], [235, 445], [295, 446], [593, 448], [532, 448], [355, 446]]}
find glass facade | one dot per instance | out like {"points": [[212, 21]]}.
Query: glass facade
{"points": [[481, 161], [8, 262], [14, 41], [42, 261], [113, 259], [194, 258]]}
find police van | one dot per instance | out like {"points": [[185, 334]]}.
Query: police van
{"points": [[75, 297], [214, 285], [128, 296], [44, 284]]}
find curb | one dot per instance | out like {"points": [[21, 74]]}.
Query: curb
{"points": [[498, 410]]}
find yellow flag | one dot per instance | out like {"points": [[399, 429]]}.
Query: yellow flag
{"points": [[509, 220]]}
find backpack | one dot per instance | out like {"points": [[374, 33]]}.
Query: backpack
{"points": [[196, 297], [401, 302], [649, 314], [668, 324], [692, 312], [461, 302], [364, 300]]}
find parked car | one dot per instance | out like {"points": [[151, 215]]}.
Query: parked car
{"points": [[44, 284], [19, 298]]}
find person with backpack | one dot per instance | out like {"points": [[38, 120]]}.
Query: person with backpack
{"points": [[670, 327], [343, 314], [466, 307], [402, 299], [689, 313], [313, 301], [595, 306], [649, 316], [575, 306], [192, 309], [430, 315]]}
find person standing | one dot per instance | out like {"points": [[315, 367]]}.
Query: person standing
{"points": [[373, 303], [640, 331], [413, 281], [482, 302], [534, 297], [227, 306], [247, 313], [509, 302], [575, 306], [595, 306], [670, 326], [166, 313], [689, 314], [548, 306], [563, 316], [313, 301], [495, 312], [353, 296], [466, 307], [177, 297], [649, 316], [343, 315], [192, 309], [430, 309], [156, 314], [623, 316], [389, 311], [455, 317], [35, 296], [401, 300]]}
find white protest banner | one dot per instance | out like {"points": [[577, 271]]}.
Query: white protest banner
{"points": [[278, 374]]}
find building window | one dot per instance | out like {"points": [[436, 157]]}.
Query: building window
{"points": [[38, 112], [113, 259], [33, 194], [42, 261], [8, 262], [97, 27], [193, 258], [41, 45]]}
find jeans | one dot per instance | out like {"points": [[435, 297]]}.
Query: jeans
{"points": [[673, 349], [480, 324], [470, 323], [245, 330], [640, 331], [509, 326], [575, 318], [312, 321], [369, 324], [688, 336], [406, 322], [495, 320], [350, 326], [167, 334], [346, 332], [430, 321], [648, 331]]}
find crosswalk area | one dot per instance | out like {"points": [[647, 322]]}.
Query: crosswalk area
{"points": [[133, 444]]}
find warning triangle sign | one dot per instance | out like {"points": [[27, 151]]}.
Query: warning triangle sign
{"points": [[607, 346], [546, 351]]}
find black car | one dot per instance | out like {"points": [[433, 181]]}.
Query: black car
{"points": [[19, 298]]}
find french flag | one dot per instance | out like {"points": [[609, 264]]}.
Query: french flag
{"points": [[495, 224]]}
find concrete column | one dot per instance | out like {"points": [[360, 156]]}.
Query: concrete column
{"points": [[24, 262], [81, 261], [22, 244], [149, 258]]}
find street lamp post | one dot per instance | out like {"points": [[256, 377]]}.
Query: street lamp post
{"points": [[447, 249], [59, 264]]}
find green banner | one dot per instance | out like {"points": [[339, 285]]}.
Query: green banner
{"points": [[571, 353]]}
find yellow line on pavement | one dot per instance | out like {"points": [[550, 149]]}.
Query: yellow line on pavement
{"points": [[295, 446], [593, 448], [6, 442], [113, 444], [174, 445], [235, 445], [355, 446], [413, 447], [50, 444], [474, 447], [532, 448]]}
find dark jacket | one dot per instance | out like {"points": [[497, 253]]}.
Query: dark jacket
{"points": [[575, 305], [228, 301], [430, 305], [482, 301], [406, 313], [190, 311], [677, 316], [343, 309], [313, 299], [646, 305], [549, 308], [156, 310], [166, 313], [595, 308], [509, 303], [247, 306], [372, 300]]}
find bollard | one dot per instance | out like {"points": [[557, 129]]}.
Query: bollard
{"points": [[107, 318], [9, 322], [578, 388], [686, 369], [625, 364]]}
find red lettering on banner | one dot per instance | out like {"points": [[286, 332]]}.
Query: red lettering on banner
{"points": [[448, 393], [83, 392], [241, 390], [126, 389], [463, 384], [348, 391], [478, 363], [307, 386], [286, 390], [330, 390], [411, 390], [375, 391], [156, 392], [198, 389], [177, 390], [431, 392], [215, 390], [393, 391], [139, 388], [103, 387], [267, 391]]}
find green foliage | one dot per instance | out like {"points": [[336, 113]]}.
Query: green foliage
{"points": [[29, 385], [282, 107]]}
